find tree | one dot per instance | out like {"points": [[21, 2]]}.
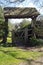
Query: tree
{"points": [[3, 26], [1, 22]]}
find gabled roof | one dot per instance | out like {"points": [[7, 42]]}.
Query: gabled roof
{"points": [[14, 12]]}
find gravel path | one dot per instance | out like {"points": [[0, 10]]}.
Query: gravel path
{"points": [[39, 61]]}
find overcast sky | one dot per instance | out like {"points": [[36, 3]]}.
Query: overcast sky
{"points": [[18, 20], [25, 3]]}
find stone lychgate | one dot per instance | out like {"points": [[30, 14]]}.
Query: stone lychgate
{"points": [[14, 12]]}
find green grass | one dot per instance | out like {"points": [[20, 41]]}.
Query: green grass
{"points": [[9, 40], [14, 56]]}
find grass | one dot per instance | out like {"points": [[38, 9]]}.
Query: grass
{"points": [[14, 56], [9, 40]]}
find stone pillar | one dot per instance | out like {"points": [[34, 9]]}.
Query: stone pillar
{"points": [[33, 26], [5, 31], [26, 35]]}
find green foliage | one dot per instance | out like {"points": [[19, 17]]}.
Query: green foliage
{"points": [[10, 26], [24, 23], [36, 42], [17, 26], [2, 20]]}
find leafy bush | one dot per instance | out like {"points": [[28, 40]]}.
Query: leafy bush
{"points": [[1, 22], [36, 42]]}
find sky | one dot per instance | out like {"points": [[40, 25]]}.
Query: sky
{"points": [[18, 20], [26, 3]]}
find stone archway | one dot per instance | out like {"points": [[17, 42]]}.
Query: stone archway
{"points": [[11, 12]]}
